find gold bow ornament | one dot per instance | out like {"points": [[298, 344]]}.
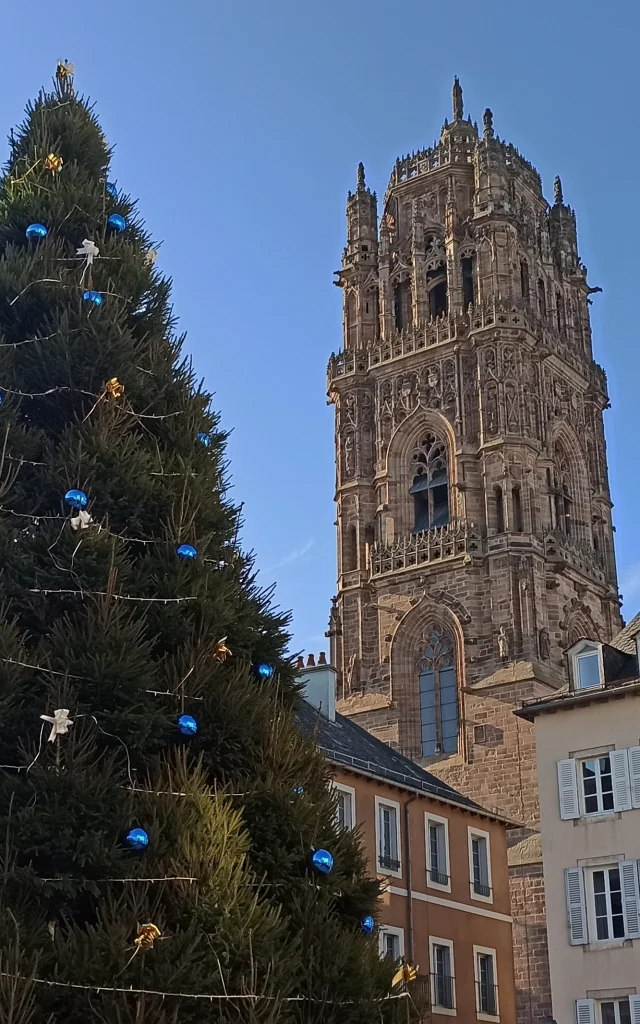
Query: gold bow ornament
{"points": [[53, 163], [404, 974], [147, 935], [221, 652]]}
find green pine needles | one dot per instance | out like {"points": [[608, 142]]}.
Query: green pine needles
{"points": [[101, 617]]}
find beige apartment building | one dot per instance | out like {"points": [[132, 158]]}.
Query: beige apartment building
{"points": [[588, 754], [442, 859]]}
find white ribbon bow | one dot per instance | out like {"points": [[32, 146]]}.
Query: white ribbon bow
{"points": [[60, 723], [82, 521], [90, 250]]}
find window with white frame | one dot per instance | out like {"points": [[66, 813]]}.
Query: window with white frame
{"points": [[615, 1011], [486, 977], [586, 666], [442, 974], [480, 865], [607, 903], [437, 840], [603, 902], [346, 810], [625, 1010], [606, 781], [388, 836], [597, 785], [391, 942]]}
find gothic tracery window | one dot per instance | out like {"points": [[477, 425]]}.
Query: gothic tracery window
{"points": [[430, 484], [438, 694]]}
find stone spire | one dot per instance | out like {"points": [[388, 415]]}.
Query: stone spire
{"points": [[456, 96], [557, 192], [361, 181], [487, 120]]}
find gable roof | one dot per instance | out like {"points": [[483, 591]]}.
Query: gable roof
{"points": [[350, 746], [625, 640]]}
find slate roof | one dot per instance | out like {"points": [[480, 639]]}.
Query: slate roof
{"points": [[349, 745], [625, 640]]}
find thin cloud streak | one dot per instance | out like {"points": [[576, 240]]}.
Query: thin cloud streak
{"points": [[293, 556]]}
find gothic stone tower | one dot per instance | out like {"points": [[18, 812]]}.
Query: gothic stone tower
{"points": [[474, 519]]}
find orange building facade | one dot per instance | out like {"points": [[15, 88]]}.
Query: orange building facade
{"points": [[425, 839]]}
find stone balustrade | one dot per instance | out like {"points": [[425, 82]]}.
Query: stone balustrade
{"points": [[413, 550]]}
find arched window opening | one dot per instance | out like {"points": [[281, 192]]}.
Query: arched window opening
{"points": [[437, 290], [402, 305], [564, 506], [369, 538], [438, 694], [560, 313], [518, 522], [596, 543], [352, 320], [542, 299], [497, 491], [430, 484], [524, 280], [468, 282], [351, 550]]}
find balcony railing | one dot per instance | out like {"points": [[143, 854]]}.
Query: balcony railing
{"points": [[480, 888], [487, 998], [442, 991], [438, 877], [459, 537], [562, 549], [385, 860]]}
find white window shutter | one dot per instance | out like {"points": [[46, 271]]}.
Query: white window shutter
{"points": [[634, 1007], [576, 909], [620, 777], [630, 898], [585, 1011], [568, 789], [634, 773]]}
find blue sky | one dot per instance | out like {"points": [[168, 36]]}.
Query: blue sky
{"points": [[240, 125]]}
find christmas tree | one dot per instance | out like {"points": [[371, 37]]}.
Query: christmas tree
{"points": [[169, 848]]}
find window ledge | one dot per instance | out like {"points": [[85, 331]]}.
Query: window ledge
{"points": [[597, 947], [592, 819], [436, 885], [446, 1011], [487, 1016], [389, 873]]}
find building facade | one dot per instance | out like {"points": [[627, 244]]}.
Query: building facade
{"points": [[475, 541], [588, 748], [441, 858]]}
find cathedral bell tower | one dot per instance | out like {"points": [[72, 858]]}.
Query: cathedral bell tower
{"points": [[475, 541]]}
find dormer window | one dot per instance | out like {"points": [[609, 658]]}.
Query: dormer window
{"points": [[586, 665]]}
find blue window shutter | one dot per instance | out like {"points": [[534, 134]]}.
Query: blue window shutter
{"points": [[576, 909]]}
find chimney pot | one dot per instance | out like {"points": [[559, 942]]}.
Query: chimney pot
{"points": [[311, 661], [300, 662], [322, 658]]}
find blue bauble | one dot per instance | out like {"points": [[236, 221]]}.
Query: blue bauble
{"points": [[264, 671], [112, 189], [116, 223], [137, 839], [187, 725], [322, 861], [204, 440], [36, 231], [368, 924], [94, 297], [298, 790], [186, 551], [76, 498]]}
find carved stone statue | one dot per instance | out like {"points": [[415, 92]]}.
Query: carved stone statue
{"points": [[503, 643], [543, 643], [349, 466]]}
